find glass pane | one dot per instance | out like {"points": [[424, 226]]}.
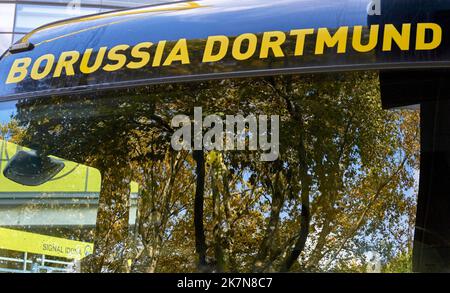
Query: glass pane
{"points": [[48, 205], [5, 42], [7, 17], [17, 37], [256, 155], [115, 3], [30, 17], [134, 3]]}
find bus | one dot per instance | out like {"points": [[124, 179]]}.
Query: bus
{"points": [[229, 136]]}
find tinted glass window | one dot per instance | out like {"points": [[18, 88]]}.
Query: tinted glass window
{"points": [[300, 173], [30, 17]]}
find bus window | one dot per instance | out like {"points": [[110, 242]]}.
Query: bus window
{"points": [[48, 205], [303, 173]]}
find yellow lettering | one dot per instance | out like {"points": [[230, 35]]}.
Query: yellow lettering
{"points": [[392, 34], [138, 53], [421, 43], [84, 66], [18, 70], [357, 39], [178, 53], [66, 61], [35, 74], [300, 42], [251, 48], [119, 58], [272, 41], [208, 55], [339, 38], [158, 54]]}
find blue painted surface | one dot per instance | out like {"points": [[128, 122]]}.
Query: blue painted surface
{"points": [[198, 19]]}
